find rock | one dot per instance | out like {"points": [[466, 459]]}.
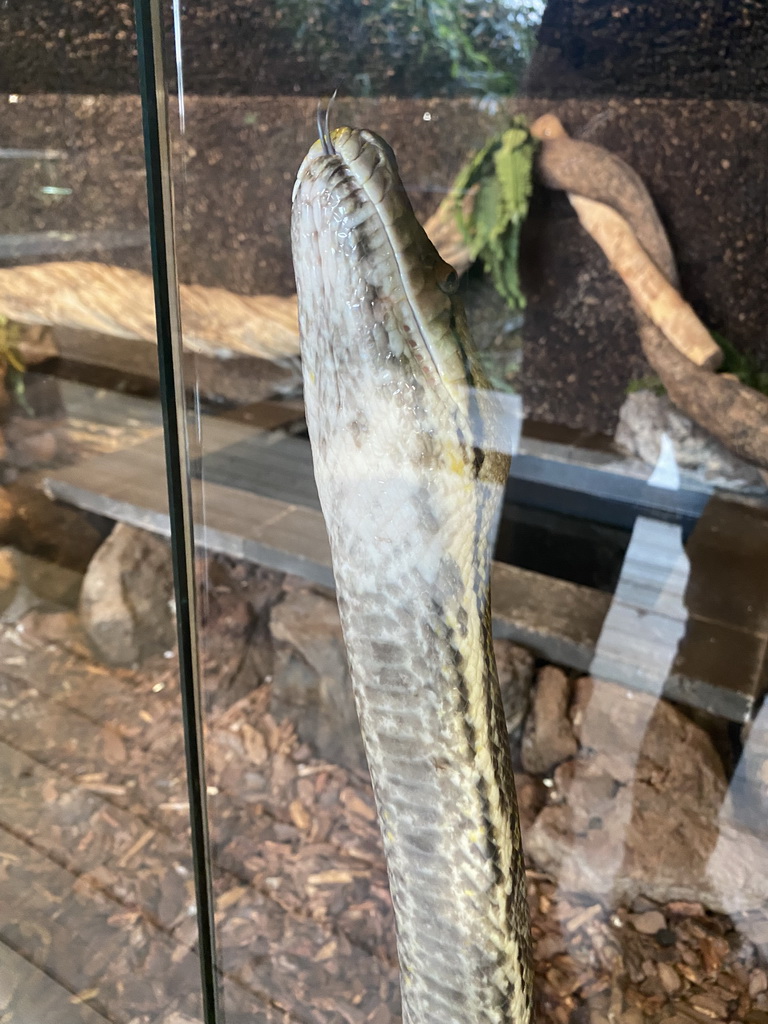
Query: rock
{"points": [[234, 608], [516, 667], [27, 581], [632, 1017], [7, 510], [669, 978], [645, 417], [548, 738], [641, 811], [9, 570], [53, 531], [126, 601], [311, 684], [50, 581], [57, 628], [39, 448], [580, 700], [649, 923], [749, 785], [531, 797]]}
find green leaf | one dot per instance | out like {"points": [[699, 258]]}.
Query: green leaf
{"points": [[741, 365], [649, 383], [501, 174], [512, 163], [487, 216]]}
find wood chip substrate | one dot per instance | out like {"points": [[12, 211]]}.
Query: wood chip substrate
{"points": [[98, 915]]}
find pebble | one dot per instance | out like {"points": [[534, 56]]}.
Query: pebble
{"points": [[40, 447], [649, 923], [710, 1006], [758, 982], [9, 571], [641, 905], [7, 508], [669, 978], [686, 908], [631, 1017]]}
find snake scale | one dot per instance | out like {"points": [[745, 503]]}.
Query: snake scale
{"points": [[410, 485]]}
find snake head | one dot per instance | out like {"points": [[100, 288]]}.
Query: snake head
{"points": [[361, 255], [381, 322]]}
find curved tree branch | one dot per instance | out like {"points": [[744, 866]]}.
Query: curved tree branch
{"points": [[735, 414]]}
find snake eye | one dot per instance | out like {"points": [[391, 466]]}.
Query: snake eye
{"points": [[450, 283]]}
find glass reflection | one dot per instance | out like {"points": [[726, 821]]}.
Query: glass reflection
{"points": [[623, 798], [96, 889], [629, 585]]}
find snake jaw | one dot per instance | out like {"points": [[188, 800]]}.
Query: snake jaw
{"points": [[368, 212]]}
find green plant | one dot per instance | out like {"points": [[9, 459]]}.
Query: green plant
{"points": [[414, 47], [649, 383], [11, 360], [741, 365], [498, 181], [10, 336]]}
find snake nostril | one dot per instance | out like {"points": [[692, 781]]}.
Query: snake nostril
{"points": [[449, 283]]}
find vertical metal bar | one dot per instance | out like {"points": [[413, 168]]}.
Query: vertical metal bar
{"points": [[169, 351]]}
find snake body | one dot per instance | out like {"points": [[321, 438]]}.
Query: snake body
{"points": [[410, 485]]}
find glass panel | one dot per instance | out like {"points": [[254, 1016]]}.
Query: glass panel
{"points": [[97, 905], [606, 162]]}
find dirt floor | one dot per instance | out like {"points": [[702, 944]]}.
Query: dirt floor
{"points": [[96, 886]]}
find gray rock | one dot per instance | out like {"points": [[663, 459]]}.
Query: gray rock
{"points": [[645, 417], [643, 811], [749, 785], [311, 684], [648, 923], [234, 609], [548, 738], [126, 601], [516, 667], [27, 581]]}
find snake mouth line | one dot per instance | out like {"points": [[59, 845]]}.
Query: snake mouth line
{"points": [[385, 166], [356, 165]]}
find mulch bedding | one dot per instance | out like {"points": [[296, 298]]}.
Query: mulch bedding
{"points": [[97, 891]]}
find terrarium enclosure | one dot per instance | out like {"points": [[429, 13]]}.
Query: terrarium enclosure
{"points": [[595, 172]]}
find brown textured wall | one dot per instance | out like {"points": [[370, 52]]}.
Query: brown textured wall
{"points": [[703, 161]]}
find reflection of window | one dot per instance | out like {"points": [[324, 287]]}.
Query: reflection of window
{"points": [[646, 620]]}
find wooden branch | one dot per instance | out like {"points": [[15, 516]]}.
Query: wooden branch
{"points": [[444, 234], [112, 300], [734, 413], [660, 302], [584, 169], [216, 322]]}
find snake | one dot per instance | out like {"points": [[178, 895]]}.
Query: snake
{"points": [[410, 475]]}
